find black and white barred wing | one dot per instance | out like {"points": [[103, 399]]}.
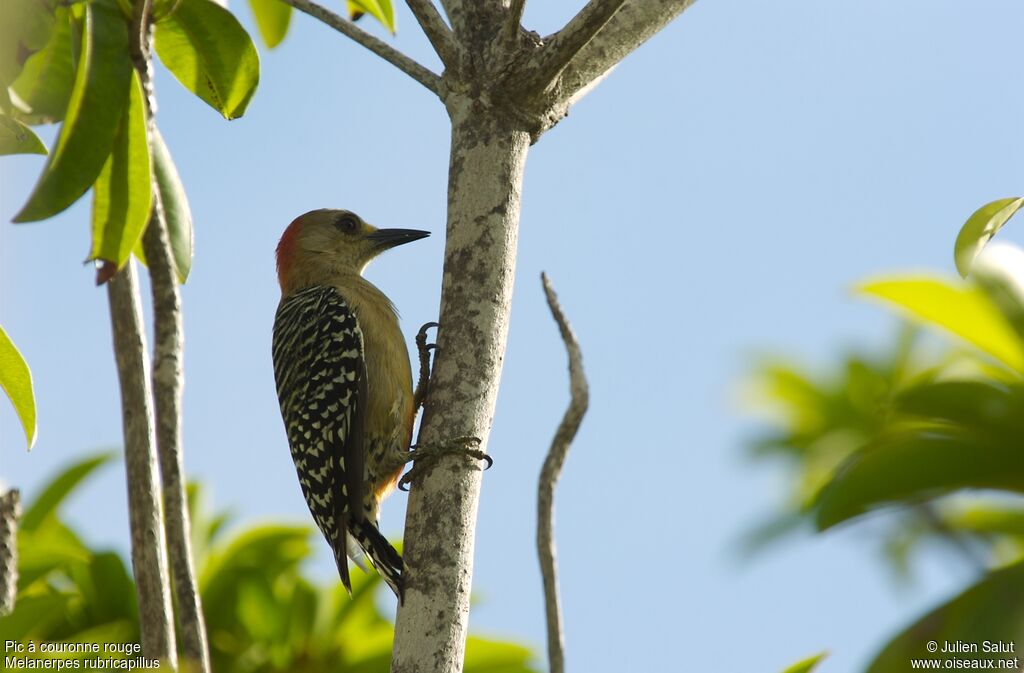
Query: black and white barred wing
{"points": [[321, 385]]}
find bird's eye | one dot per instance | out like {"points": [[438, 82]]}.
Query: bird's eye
{"points": [[349, 224]]}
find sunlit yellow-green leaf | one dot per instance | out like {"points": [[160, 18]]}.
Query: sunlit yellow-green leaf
{"points": [[16, 138], [980, 228], [961, 309], [272, 19], [207, 50], [16, 380], [382, 10], [806, 665], [123, 196], [98, 98]]}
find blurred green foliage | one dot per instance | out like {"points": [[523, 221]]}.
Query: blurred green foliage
{"points": [[263, 614], [930, 432]]}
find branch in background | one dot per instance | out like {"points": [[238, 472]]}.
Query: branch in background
{"points": [[382, 49], [579, 399], [146, 521], [564, 45], [437, 31], [168, 377], [635, 23], [10, 512]]}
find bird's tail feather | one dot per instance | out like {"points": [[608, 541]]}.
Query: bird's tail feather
{"points": [[382, 555]]}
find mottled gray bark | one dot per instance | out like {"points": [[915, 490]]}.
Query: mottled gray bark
{"points": [[145, 514], [635, 23], [168, 386], [10, 512], [168, 379], [485, 177], [579, 399]]}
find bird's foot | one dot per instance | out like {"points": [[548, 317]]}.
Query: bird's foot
{"points": [[423, 348], [427, 455]]}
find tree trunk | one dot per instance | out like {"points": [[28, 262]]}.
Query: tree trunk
{"points": [[485, 178]]}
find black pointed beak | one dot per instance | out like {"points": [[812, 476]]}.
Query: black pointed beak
{"points": [[389, 238]]}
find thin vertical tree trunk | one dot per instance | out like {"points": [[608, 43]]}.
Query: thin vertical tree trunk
{"points": [[149, 553], [168, 377], [10, 512], [485, 180]]}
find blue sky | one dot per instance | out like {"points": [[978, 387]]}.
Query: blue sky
{"points": [[714, 199]]}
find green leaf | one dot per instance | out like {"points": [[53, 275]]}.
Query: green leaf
{"points": [[210, 53], [985, 407], [25, 28], [42, 90], [123, 195], [806, 665], [980, 228], [382, 10], [917, 462], [176, 208], [990, 611], [59, 488], [16, 380], [98, 97], [488, 656], [272, 19], [16, 138], [963, 310]]}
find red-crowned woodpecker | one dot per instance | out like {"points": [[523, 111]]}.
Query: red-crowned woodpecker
{"points": [[343, 381]]}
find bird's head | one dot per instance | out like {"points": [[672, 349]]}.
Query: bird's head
{"points": [[326, 244]]}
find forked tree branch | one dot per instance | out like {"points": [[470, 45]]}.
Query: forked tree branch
{"points": [[564, 45], [514, 20], [634, 23], [436, 30], [396, 58], [579, 399]]}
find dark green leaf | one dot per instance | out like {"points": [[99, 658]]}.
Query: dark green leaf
{"points": [[980, 228], [176, 208], [98, 98], [210, 53], [272, 19], [964, 310], [991, 611], [806, 665], [58, 489], [43, 88], [16, 380], [16, 138], [919, 462], [123, 195], [987, 408]]}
